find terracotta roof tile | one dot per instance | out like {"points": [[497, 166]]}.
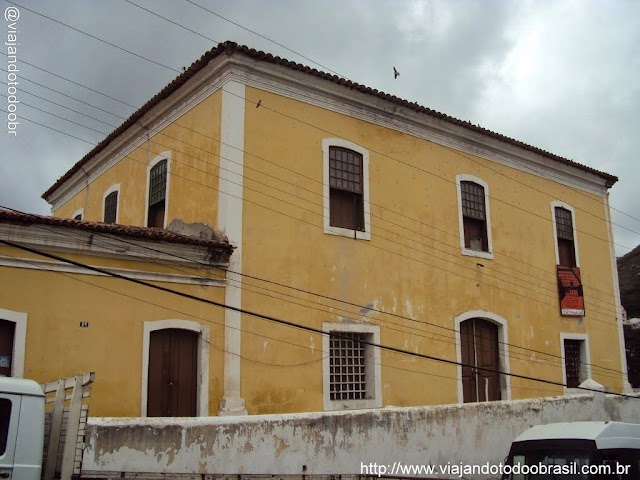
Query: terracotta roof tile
{"points": [[230, 47], [142, 233]]}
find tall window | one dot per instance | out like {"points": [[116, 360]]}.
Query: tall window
{"points": [[157, 194], [564, 237], [346, 189], [111, 207], [348, 369], [575, 352], [572, 362], [474, 216], [352, 368]]}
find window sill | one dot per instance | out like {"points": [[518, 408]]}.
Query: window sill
{"points": [[337, 405], [476, 253], [345, 232]]}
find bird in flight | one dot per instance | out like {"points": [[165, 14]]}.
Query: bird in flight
{"points": [[396, 73], [258, 104]]}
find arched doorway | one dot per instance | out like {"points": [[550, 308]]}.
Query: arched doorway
{"points": [[479, 351], [172, 389]]}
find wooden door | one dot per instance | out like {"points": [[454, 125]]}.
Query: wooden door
{"points": [[173, 373], [479, 346], [7, 333]]}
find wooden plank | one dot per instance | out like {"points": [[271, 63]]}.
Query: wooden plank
{"points": [[72, 429], [54, 438], [85, 394], [87, 378]]}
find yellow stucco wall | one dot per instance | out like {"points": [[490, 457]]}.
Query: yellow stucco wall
{"points": [[412, 267], [193, 178], [111, 346], [416, 272]]}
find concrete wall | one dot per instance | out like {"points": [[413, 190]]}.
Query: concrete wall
{"points": [[333, 443]]}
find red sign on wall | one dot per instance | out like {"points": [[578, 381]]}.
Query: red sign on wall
{"points": [[570, 291]]}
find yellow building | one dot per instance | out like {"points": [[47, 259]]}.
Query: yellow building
{"points": [[443, 262]]}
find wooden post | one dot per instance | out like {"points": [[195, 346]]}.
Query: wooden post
{"points": [[73, 423], [54, 434]]}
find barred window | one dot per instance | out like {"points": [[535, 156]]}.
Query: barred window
{"points": [[572, 363], [111, 207], [158, 183], [564, 239], [472, 200], [157, 194], [346, 206], [564, 223], [347, 366], [474, 216]]}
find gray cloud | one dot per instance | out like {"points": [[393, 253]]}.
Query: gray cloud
{"points": [[559, 75]]}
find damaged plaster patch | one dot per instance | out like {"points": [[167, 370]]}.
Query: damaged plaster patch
{"points": [[367, 308]]}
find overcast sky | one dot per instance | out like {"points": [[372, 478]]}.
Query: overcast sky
{"points": [[560, 75]]}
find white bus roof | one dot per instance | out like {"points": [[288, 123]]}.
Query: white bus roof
{"points": [[20, 386], [604, 434]]}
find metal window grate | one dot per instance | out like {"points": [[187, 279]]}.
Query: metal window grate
{"points": [[110, 207], [472, 200], [158, 183], [347, 371], [564, 223], [572, 362], [345, 169]]}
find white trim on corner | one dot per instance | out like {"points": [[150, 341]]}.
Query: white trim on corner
{"points": [[111, 189], [157, 159], [202, 407], [373, 360], [80, 212], [554, 204], [345, 232], [466, 251], [19, 340], [585, 359], [503, 350]]}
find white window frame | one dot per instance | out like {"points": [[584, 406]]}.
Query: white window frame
{"points": [[110, 190], [19, 340], [202, 404], [585, 359], [503, 350], [464, 250], [157, 159], [372, 365], [80, 212], [345, 232], [554, 204]]}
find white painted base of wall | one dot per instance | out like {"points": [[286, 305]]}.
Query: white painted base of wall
{"points": [[333, 442], [230, 407]]}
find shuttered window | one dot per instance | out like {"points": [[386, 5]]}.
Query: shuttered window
{"points": [[346, 189], [111, 207], [474, 216], [564, 232], [572, 365], [347, 366], [157, 194]]}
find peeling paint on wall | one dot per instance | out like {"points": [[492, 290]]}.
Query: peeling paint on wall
{"points": [[333, 442]]}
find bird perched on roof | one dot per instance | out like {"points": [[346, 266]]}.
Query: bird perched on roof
{"points": [[396, 73], [258, 104]]}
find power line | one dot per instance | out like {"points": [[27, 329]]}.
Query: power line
{"points": [[315, 193], [448, 339], [287, 323], [319, 128], [546, 304], [266, 38]]}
